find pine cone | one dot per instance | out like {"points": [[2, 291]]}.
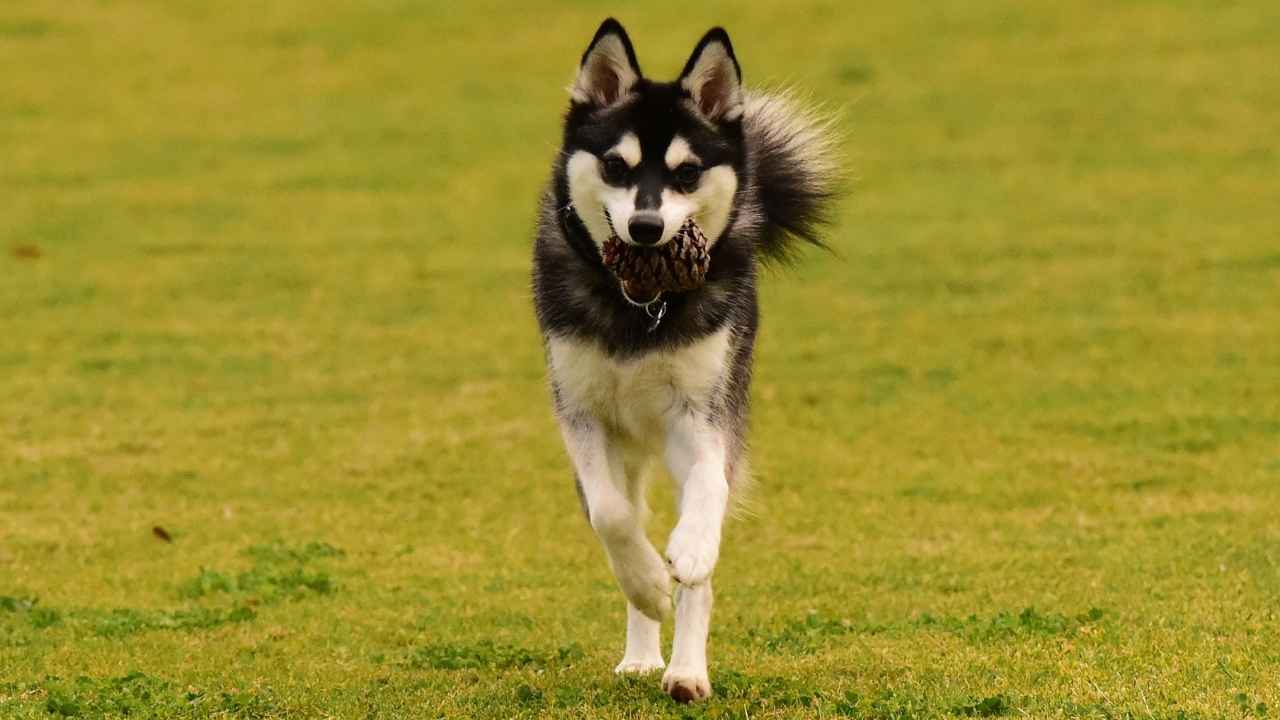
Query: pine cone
{"points": [[676, 266]]}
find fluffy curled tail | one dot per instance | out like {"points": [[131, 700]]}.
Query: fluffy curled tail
{"points": [[794, 169]]}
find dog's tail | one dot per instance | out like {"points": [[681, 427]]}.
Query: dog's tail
{"points": [[795, 169]]}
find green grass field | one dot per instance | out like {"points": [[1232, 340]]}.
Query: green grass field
{"points": [[264, 285]]}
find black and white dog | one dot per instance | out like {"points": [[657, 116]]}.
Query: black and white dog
{"points": [[668, 378]]}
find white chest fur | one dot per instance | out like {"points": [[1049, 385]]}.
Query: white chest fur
{"points": [[637, 397]]}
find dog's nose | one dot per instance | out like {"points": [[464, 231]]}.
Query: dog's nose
{"points": [[645, 229]]}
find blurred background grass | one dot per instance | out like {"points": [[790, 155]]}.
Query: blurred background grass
{"points": [[264, 283]]}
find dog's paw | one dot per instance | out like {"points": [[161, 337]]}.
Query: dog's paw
{"points": [[639, 666], [692, 552], [686, 684], [647, 587]]}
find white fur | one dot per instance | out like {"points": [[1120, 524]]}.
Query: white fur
{"points": [[644, 644], [695, 455], [679, 153], [590, 195], [628, 148], [710, 204], [688, 667], [615, 414], [636, 397]]}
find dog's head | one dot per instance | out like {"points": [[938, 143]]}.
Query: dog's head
{"points": [[642, 157]]}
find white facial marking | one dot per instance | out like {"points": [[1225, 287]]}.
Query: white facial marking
{"points": [[622, 206], [628, 148], [679, 153], [709, 204], [591, 195]]}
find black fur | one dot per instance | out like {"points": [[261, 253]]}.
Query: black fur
{"points": [[795, 197]]}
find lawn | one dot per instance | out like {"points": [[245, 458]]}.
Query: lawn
{"points": [[264, 286]]}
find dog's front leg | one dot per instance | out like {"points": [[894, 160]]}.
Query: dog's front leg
{"points": [[619, 523], [696, 458]]}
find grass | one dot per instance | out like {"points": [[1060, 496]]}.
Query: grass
{"points": [[264, 285]]}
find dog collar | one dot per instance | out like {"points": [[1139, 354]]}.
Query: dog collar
{"points": [[655, 309]]}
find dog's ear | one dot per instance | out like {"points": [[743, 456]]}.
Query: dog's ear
{"points": [[713, 79], [609, 69]]}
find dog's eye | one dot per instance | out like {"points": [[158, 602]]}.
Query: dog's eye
{"points": [[615, 169], [687, 176]]}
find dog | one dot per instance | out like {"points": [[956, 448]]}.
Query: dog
{"points": [[634, 380]]}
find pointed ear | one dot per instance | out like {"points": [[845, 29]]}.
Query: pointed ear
{"points": [[609, 69], [712, 77]]}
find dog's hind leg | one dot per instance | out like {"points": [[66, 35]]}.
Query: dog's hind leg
{"points": [[644, 648], [617, 517], [696, 457]]}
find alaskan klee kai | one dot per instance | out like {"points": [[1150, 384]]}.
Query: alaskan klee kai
{"points": [[637, 379]]}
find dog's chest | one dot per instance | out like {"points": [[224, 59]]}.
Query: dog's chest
{"points": [[636, 396]]}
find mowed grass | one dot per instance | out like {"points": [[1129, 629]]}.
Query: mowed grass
{"points": [[264, 285]]}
